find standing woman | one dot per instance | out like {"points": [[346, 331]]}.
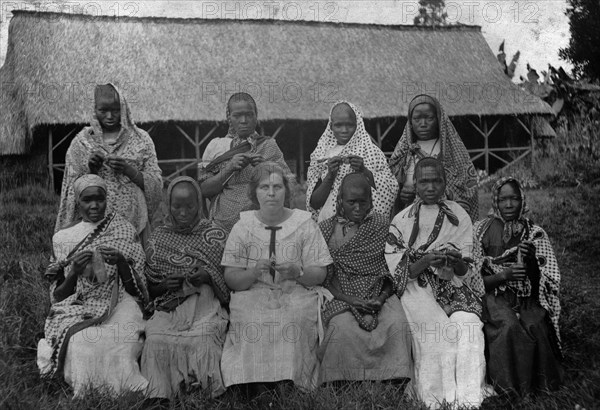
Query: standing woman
{"points": [[93, 333], [275, 259], [346, 147], [228, 162], [184, 336], [521, 305], [122, 154], [429, 133]]}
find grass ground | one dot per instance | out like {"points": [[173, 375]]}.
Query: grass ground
{"points": [[27, 215]]}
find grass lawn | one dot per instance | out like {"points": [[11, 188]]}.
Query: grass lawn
{"points": [[27, 215]]}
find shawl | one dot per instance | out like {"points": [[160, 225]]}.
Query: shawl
{"points": [[460, 293], [125, 197], [549, 272], [173, 250], [461, 177], [93, 302], [358, 265], [360, 144]]}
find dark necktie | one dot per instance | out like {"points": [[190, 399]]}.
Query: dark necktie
{"points": [[272, 242]]}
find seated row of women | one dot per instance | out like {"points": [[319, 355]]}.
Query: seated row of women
{"points": [[428, 297]]}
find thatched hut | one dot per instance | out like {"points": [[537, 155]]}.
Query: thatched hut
{"points": [[178, 73]]}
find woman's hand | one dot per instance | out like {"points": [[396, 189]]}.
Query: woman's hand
{"points": [[333, 166], [435, 259], [262, 266], [359, 303], [407, 195], [356, 163], [174, 282], [239, 162], [95, 162], [377, 303], [288, 270], [199, 275], [256, 159], [117, 164], [80, 261], [111, 255], [527, 249], [516, 272]]}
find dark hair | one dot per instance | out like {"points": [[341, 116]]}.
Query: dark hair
{"points": [[430, 162], [238, 97], [266, 169]]}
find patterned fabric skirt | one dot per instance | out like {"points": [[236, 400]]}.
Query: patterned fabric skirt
{"points": [[521, 357], [105, 356], [351, 353], [272, 337], [184, 346], [448, 352]]}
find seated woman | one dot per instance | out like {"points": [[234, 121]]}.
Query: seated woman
{"points": [[429, 133], [428, 247], [521, 307], [367, 334], [114, 148], [225, 170], [93, 331], [184, 337], [346, 147], [274, 260]]}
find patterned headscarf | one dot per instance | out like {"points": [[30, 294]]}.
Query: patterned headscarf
{"points": [[86, 181], [127, 124], [515, 227], [171, 222], [361, 144], [461, 176]]}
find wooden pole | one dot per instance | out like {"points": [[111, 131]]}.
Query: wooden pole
{"points": [[486, 146], [301, 157], [197, 146], [378, 127], [50, 160], [532, 141]]}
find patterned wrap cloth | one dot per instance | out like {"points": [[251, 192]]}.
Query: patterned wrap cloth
{"points": [[359, 266], [124, 197], [461, 177], [93, 302], [360, 144], [172, 250], [525, 230]]}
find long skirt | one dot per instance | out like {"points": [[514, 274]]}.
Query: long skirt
{"points": [[105, 356], [184, 346], [522, 356], [272, 336], [448, 352], [351, 353]]}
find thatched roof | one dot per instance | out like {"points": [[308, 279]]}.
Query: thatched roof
{"points": [[184, 69]]}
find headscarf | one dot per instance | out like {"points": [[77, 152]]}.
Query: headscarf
{"points": [[361, 144], [461, 176], [515, 227], [87, 181], [171, 222]]}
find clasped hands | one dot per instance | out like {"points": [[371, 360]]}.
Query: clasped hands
{"points": [[196, 277], [241, 161], [518, 271], [83, 258], [334, 163]]}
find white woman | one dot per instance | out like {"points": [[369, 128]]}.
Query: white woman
{"points": [[428, 250], [184, 336], [346, 147], [275, 259], [93, 334]]}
